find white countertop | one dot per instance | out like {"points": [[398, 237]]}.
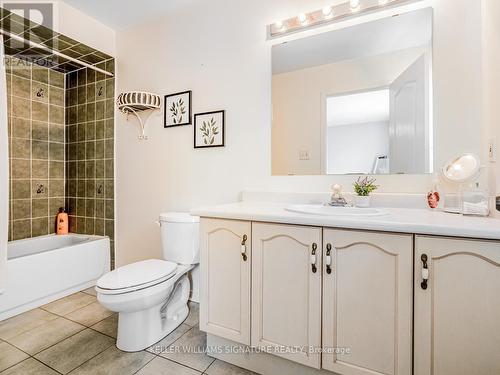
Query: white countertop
{"points": [[401, 220]]}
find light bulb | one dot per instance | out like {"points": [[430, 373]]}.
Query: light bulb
{"points": [[354, 4], [302, 18], [327, 11], [279, 25]]}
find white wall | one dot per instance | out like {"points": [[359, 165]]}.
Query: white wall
{"points": [[491, 59], [218, 49], [297, 98], [353, 148], [77, 25]]}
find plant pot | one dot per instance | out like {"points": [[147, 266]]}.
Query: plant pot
{"points": [[362, 202]]}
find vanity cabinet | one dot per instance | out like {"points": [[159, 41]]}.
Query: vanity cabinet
{"points": [[286, 291], [457, 309], [225, 261], [367, 302], [353, 302]]}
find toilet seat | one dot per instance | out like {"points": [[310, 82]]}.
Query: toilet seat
{"points": [[136, 276]]}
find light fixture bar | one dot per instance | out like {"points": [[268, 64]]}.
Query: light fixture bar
{"points": [[328, 15], [54, 52]]}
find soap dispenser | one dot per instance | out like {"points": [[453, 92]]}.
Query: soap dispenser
{"points": [[434, 196]]}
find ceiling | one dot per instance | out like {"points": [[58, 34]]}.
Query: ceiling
{"points": [[405, 31], [362, 108], [122, 14]]}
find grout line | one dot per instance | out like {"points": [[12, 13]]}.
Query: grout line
{"points": [[154, 355], [36, 359], [89, 327], [91, 358], [50, 346]]}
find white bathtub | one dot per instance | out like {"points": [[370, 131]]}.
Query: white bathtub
{"points": [[43, 269]]}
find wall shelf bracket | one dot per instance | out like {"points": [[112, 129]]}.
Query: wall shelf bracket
{"points": [[136, 102]]}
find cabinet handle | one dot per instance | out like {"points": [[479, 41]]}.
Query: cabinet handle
{"points": [[313, 258], [425, 271], [328, 259], [244, 248]]}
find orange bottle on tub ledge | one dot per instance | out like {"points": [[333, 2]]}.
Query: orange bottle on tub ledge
{"points": [[62, 226]]}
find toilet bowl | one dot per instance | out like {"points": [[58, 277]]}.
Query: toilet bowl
{"points": [[151, 296]]}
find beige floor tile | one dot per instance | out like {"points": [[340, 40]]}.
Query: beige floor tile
{"points": [[90, 314], [162, 345], [108, 326], [75, 350], [223, 368], [162, 366], [90, 291], [194, 314], [10, 355], [24, 322], [68, 304], [42, 337], [189, 350], [30, 367], [114, 362]]}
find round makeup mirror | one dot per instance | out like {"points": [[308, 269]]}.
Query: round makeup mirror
{"points": [[462, 169]]}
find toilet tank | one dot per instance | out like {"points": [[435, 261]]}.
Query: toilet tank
{"points": [[180, 237]]}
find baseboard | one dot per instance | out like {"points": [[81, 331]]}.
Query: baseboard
{"points": [[261, 363]]}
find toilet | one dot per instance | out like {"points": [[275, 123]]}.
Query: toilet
{"points": [[151, 296]]}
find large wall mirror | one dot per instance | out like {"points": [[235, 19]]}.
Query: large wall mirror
{"points": [[357, 100]]}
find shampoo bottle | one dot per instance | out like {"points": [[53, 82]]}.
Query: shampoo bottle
{"points": [[62, 226]]}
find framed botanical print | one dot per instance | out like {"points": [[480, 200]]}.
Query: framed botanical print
{"points": [[209, 129], [178, 109]]}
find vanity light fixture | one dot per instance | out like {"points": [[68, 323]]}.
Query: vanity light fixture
{"points": [[330, 14], [279, 25]]}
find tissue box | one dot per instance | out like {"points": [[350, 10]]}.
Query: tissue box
{"points": [[475, 204]]}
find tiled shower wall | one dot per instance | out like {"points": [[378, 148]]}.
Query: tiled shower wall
{"points": [[90, 151], [61, 137], [36, 140]]}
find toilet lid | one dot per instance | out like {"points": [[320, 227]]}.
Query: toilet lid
{"points": [[137, 274]]}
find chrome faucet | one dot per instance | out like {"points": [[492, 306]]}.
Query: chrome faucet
{"points": [[337, 200]]}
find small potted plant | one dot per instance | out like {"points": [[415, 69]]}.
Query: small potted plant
{"points": [[363, 187]]}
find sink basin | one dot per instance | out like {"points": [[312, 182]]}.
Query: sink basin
{"points": [[316, 209]]}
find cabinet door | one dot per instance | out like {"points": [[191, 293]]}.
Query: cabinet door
{"points": [[225, 279], [286, 291], [367, 302], [457, 315]]}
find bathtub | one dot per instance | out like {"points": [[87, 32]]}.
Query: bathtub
{"points": [[43, 269]]}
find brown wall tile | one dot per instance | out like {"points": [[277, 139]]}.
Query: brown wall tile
{"points": [[20, 127], [21, 229], [21, 209], [20, 148], [21, 168], [40, 207]]}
